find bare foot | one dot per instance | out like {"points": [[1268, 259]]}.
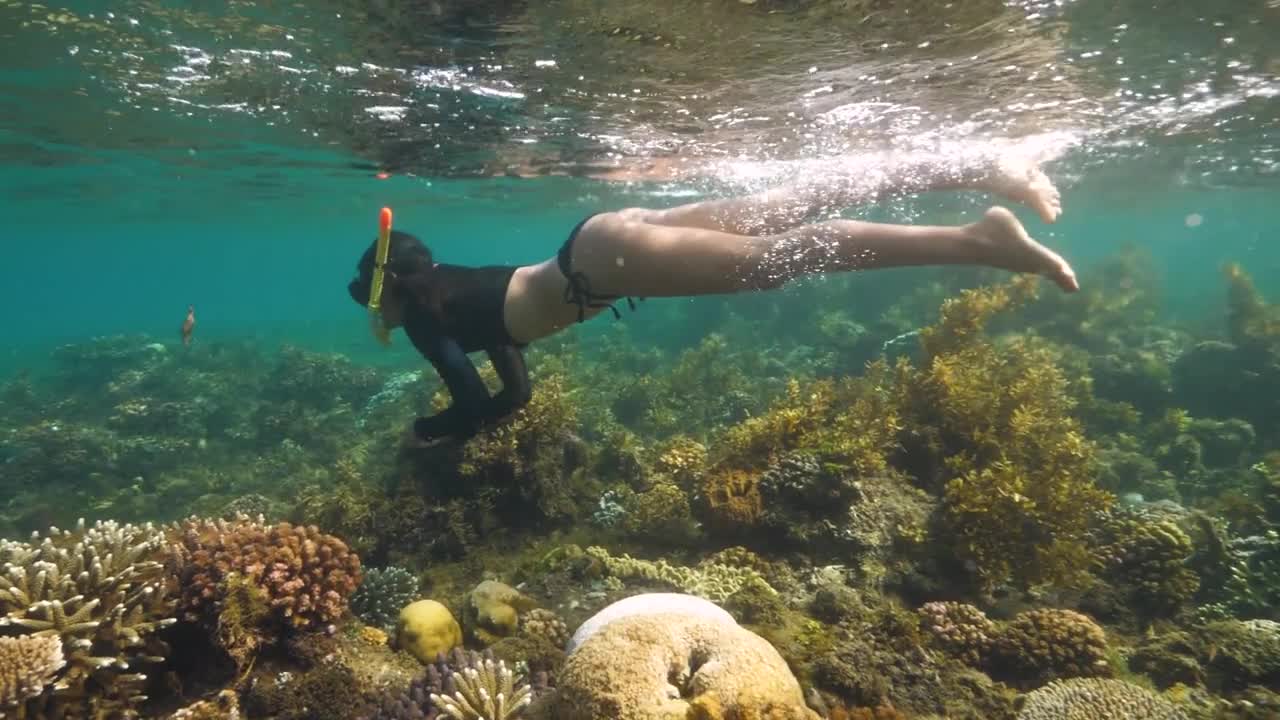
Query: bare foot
{"points": [[1022, 181], [1005, 244]]}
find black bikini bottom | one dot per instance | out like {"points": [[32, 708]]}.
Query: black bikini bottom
{"points": [[578, 291]]}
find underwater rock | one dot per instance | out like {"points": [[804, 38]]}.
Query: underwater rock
{"points": [[426, 629], [1097, 699], [674, 665], [646, 604]]}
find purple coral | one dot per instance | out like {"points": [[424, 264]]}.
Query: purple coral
{"points": [[960, 629]]}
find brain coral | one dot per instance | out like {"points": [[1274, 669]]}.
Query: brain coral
{"points": [[1097, 699], [672, 666]]}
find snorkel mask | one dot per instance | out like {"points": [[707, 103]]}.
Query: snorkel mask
{"points": [[380, 330]]}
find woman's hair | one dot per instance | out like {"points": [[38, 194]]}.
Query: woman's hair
{"points": [[409, 272]]}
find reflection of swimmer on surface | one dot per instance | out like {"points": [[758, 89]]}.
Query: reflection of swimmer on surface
{"points": [[757, 242]]}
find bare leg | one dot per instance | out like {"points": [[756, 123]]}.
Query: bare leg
{"points": [[830, 186], [997, 240], [623, 256]]}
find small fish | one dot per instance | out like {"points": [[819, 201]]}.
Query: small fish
{"points": [[189, 325]]}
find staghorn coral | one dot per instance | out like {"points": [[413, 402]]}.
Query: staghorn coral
{"points": [[709, 580], [992, 426], [1097, 699], [1147, 557], [1048, 644], [960, 629], [487, 690], [654, 666], [382, 594], [28, 664], [102, 590]]}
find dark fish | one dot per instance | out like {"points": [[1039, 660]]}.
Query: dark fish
{"points": [[189, 325]]}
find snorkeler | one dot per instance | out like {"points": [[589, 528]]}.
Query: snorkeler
{"points": [[757, 242]]}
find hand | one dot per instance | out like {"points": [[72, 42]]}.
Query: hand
{"points": [[412, 441]]}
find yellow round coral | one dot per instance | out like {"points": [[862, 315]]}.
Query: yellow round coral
{"points": [[425, 629]]}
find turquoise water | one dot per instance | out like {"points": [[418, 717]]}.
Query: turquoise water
{"points": [[168, 153]]}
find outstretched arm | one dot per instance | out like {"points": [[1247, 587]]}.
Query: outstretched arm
{"points": [[516, 392], [470, 396], [472, 406]]}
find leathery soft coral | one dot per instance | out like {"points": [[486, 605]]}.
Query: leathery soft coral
{"points": [[993, 427], [305, 575]]}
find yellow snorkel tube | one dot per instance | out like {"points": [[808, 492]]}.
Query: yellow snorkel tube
{"points": [[379, 327]]}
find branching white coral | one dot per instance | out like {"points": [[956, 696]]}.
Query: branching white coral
{"points": [[487, 691]]}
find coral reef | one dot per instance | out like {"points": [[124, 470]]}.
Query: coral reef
{"points": [[493, 611], [647, 604], [104, 591], [306, 575], [993, 425], [1047, 644], [961, 630], [545, 624], [438, 679], [1097, 699], [904, 517], [426, 629], [652, 666], [712, 581], [382, 594], [1149, 558]]}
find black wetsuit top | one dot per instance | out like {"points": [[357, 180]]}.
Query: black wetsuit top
{"points": [[469, 319]]}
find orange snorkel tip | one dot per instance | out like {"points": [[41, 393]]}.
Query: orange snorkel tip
{"points": [[379, 272]]}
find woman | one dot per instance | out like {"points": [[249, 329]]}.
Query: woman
{"points": [[757, 242]]}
